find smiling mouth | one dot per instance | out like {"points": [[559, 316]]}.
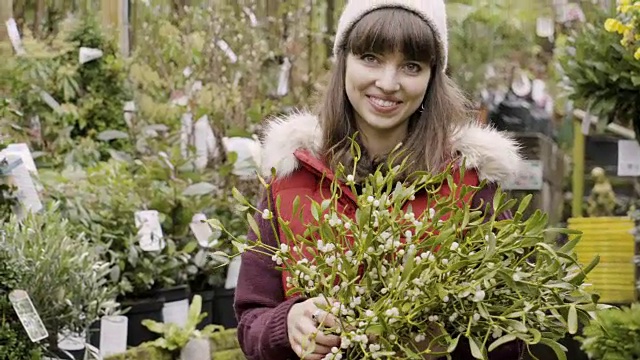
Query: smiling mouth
{"points": [[383, 103]]}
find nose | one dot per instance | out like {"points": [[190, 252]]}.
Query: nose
{"points": [[387, 81]]}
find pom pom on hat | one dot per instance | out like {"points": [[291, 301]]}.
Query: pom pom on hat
{"points": [[433, 12]]}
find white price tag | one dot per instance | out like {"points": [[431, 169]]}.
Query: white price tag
{"points": [[14, 36], [283, 79], [233, 272], [628, 158], [113, 335], [49, 100], [21, 150], [28, 315], [205, 235], [529, 177], [86, 54], [176, 312], [20, 177], [149, 230], [227, 50]]}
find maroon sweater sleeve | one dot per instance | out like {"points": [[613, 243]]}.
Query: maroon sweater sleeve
{"points": [[260, 304], [483, 200]]}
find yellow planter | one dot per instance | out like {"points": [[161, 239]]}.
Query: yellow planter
{"points": [[610, 238]]}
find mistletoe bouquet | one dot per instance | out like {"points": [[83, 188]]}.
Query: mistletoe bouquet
{"points": [[408, 285]]}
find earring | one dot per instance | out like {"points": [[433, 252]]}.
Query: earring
{"points": [[421, 107]]}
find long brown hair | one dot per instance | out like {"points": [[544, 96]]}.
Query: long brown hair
{"points": [[385, 31]]}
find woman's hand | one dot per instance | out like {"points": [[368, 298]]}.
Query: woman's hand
{"points": [[304, 323]]}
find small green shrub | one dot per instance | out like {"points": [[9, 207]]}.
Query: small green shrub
{"points": [[614, 334]]}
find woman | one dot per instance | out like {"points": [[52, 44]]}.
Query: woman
{"points": [[388, 85]]}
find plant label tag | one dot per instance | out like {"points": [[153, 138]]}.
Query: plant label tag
{"points": [[283, 79], [628, 158], [233, 272], [205, 142], [149, 230], [252, 16], [49, 100], [71, 341], [86, 54], [113, 335], [14, 37], [203, 232], [227, 50], [28, 315], [186, 133], [529, 177], [21, 150], [27, 192], [545, 27], [176, 312]]}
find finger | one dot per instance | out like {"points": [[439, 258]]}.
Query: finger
{"points": [[327, 340], [328, 320], [321, 349], [322, 301]]}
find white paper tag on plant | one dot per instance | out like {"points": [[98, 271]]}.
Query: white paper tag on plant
{"points": [[21, 150], [71, 341], [203, 232], [27, 193], [28, 315], [86, 54], [283, 79], [186, 133], [227, 50], [545, 27], [149, 230], [49, 100], [113, 335], [252, 16], [14, 36], [233, 272], [205, 142], [176, 312], [586, 123], [628, 158]]}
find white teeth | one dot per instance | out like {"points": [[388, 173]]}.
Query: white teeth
{"points": [[383, 103]]}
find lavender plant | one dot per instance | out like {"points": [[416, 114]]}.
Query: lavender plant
{"points": [[408, 285]]}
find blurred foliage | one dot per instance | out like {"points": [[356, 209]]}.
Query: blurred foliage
{"points": [[600, 74]]}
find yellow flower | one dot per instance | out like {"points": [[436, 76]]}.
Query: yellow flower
{"points": [[611, 25], [624, 9], [625, 2], [637, 54]]}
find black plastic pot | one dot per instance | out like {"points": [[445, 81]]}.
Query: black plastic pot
{"points": [[207, 306], [142, 309], [176, 293], [223, 313]]}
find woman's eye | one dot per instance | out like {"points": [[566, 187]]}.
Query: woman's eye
{"points": [[413, 68], [368, 58]]}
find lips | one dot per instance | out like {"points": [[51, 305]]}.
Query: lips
{"points": [[383, 105]]}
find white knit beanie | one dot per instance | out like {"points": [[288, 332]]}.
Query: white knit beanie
{"points": [[431, 11]]}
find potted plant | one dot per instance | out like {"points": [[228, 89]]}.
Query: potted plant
{"points": [[77, 290], [601, 75], [14, 339], [613, 334]]}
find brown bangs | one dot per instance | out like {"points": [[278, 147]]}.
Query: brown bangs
{"points": [[389, 30]]}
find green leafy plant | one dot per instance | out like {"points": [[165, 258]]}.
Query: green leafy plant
{"points": [[614, 334], [601, 75], [77, 291], [63, 100], [414, 284], [14, 341], [173, 337]]}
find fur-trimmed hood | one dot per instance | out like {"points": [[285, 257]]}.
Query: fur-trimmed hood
{"points": [[494, 155]]}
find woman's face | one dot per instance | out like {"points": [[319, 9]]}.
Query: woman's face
{"points": [[385, 90]]}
